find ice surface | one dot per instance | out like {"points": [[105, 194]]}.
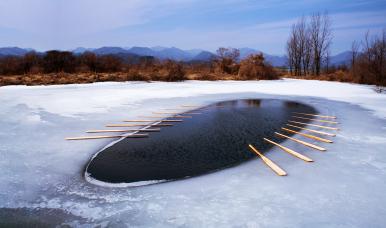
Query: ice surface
{"points": [[344, 187]]}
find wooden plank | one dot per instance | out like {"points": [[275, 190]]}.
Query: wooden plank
{"points": [[302, 142], [292, 152], [307, 135], [321, 116], [311, 130], [138, 125], [94, 137], [317, 120], [152, 121], [315, 125], [180, 116], [160, 117], [108, 136], [131, 130], [279, 171], [155, 117], [140, 121], [187, 113], [174, 109], [167, 112]]}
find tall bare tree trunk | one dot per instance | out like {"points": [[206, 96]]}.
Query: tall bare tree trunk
{"points": [[321, 36]]}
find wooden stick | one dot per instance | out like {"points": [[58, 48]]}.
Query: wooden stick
{"points": [[160, 117], [152, 121], [108, 136], [302, 142], [171, 120], [193, 113], [279, 171], [179, 116], [321, 116], [317, 120], [307, 135], [311, 130], [314, 125], [188, 113], [131, 130], [173, 109], [138, 125], [140, 120], [292, 152]]}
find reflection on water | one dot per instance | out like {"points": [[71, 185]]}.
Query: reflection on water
{"points": [[216, 139], [252, 103]]}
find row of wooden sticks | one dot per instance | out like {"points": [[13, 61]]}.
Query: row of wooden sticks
{"points": [[183, 112], [320, 118], [159, 119]]}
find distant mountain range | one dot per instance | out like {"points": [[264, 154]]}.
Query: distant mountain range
{"points": [[13, 51], [175, 54]]}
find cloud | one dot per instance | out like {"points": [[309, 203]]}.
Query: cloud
{"points": [[65, 24], [359, 19], [81, 16]]}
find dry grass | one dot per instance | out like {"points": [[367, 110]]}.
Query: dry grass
{"points": [[134, 75], [82, 78], [339, 76]]}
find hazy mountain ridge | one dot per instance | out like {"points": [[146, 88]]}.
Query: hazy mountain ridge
{"points": [[16, 51], [341, 58], [176, 54]]}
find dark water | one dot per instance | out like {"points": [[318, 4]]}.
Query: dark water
{"points": [[215, 139]]}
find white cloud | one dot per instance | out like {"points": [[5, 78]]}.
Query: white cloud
{"points": [[92, 23], [81, 16], [358, 19]]}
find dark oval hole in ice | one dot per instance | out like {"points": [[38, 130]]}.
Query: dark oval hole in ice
{"points": [[215, 139]]}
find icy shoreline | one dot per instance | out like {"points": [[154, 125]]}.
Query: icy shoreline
{"points": [[339, 91], [344, 187]]}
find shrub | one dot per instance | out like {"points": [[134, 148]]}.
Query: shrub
{"points": [[207, 77], [255, 67], [134, 75], [175, 71]]}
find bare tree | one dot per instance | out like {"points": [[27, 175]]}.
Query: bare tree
{"points": [[379, 52], [321, 36], [299, 48], [302, 32], [294, 50], [290, 55], [367, 44], [255, 67], [227, 60], [354, 52], [369, 65]]}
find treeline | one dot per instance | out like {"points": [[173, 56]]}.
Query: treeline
{"points": [[308, 51], [123, 67], [368, 61], [253, 67], [64, 61], [308, 45]]}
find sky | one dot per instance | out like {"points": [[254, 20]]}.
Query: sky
{"points": [[186, 24]]}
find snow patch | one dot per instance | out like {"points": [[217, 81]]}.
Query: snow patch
{"points": [[344, 187]]}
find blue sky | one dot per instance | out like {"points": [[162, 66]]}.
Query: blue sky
{"points": [[187, 24]]}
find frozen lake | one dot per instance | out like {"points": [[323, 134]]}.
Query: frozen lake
{"points": [[42, 174], [215, 137]]}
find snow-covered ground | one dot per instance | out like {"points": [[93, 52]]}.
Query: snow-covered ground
{"points": [[42, 173]]}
